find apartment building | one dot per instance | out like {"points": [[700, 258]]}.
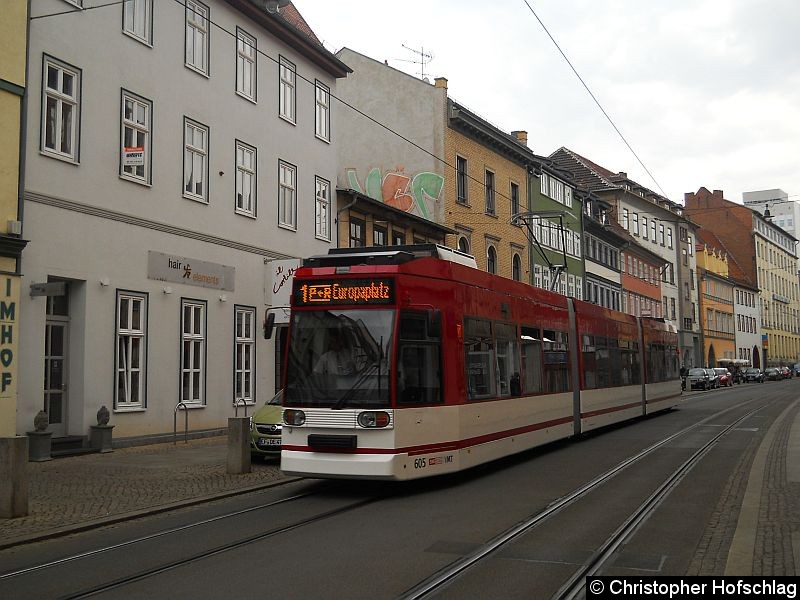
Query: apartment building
{"points": [[766, 257], [654, 222], [175, 151]]}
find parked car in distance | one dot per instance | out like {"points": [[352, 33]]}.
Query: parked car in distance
{"points": [[796, 369], [698, 379], [753, 374], [266, 426], [725, 377], [772, 374], [713, 378], [786, 373]]}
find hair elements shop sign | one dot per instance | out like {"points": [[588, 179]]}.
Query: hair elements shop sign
{"points": [[189, 271]]}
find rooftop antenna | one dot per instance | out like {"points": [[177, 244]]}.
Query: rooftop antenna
{"points": [[423, 58]]}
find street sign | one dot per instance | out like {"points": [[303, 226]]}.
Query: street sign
{"points": [[55, 288]]}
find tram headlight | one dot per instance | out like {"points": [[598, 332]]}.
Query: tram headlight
{"points": [[294, 417], [373, 419]]}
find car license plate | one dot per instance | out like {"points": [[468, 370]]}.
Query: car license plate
{"points": [[268, 442]]}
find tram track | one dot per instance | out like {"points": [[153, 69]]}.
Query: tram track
{"points": [[222, 548], [575, 585], [146, 538], [41, 570], [437, 582]]}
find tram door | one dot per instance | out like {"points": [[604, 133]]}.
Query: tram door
{"points": [[56, 335]]}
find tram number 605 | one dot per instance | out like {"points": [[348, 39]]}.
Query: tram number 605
{"points": [[420, 463]]}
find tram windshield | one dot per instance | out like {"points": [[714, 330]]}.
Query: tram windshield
{"points": [[340, 358]]}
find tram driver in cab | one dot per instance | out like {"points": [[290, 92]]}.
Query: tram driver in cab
{"points": [[335, 360]]}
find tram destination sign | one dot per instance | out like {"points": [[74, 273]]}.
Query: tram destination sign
{"points": [[343, 291]]}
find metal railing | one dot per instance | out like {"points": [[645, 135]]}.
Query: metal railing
{"points": [[178, 406], [239, 402]]}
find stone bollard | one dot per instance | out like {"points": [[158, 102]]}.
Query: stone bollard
{"points": [[39, 441], [238, 445], [100, 435], [100, 438], [13, 477]]}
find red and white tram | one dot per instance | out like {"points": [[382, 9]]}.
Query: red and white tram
{"points": [[403, 363]]}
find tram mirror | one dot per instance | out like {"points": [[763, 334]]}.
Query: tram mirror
{"points": [[269, 324], [434, 323]]}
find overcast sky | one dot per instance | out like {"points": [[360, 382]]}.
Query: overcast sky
{"points": [[706, 92]]}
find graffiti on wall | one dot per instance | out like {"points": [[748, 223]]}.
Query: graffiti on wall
{"points": [[416, 194]]}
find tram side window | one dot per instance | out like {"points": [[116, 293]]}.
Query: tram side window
{"points": [[655, 363], [556, 361], [419, 373], [531, 359], [672, 370], [615, 362], [602, 362], [589, 361], [629, 352], [507, 360], [479, 359]]}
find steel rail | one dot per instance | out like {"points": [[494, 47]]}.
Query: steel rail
{"points": [[128, 579], [152, 536], [577, 583], [458, 567]]}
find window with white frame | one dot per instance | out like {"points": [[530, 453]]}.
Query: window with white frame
{"points": [[544, 185], [287, 99], [193, 351], [625, 218], [136, 138], [322, 119], [61, 87], [556, 190], [323, 209], [197, 36], [568, 196], [131, 347], [195, 161], [246, 65], [245, 352], [246, 179], [287, 195], [137, 20]]}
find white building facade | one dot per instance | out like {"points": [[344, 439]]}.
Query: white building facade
{"points": [[748, 324], [173, 152]]}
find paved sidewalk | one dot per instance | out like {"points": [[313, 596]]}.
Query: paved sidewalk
{"points": [[80, 492]]}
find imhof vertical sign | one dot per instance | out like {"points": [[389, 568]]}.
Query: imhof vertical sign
{"points": [[9, 315]]}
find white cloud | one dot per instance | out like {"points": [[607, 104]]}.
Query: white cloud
{"points": [[706, 91]]}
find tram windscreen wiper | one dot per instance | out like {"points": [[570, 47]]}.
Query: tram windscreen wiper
{"points": [[342, 402]]}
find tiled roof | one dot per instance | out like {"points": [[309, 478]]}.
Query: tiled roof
{"points": [[293, 16], [585, 173]]}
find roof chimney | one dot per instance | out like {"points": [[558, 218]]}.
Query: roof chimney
{"points": [[522, 136], [718, 193], [440, 82]]}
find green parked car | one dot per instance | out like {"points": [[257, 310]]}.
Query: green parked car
{"points": [[265, 429]]}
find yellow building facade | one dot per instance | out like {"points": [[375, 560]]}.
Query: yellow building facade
{"points": [[13, 47], [489, 185], [716, 297], [776, 266]]}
